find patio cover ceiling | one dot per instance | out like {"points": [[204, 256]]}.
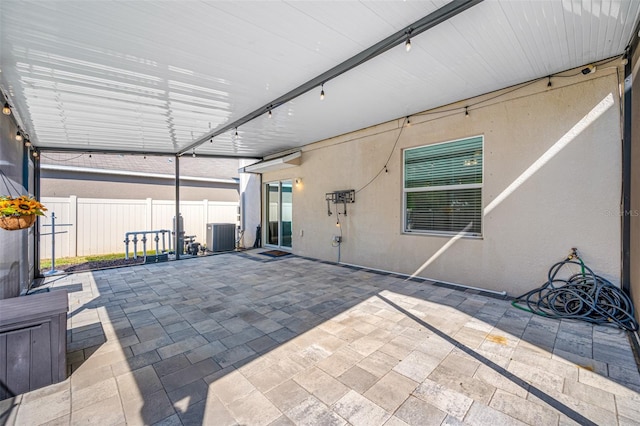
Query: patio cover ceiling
{"points": [[164, 76]]}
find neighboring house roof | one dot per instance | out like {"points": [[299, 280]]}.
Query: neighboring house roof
{"points": [[201, 169]]}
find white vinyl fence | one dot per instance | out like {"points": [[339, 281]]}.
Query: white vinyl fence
{"points": [[99, 225]]}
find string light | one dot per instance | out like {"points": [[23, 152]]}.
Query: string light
{"points": [[408, 121], [27, 143], [549, 83], [466, 111], [6, 110], [35, 154], [322, 92], [236, 135], [269, 115], [407, 44], [194, 153], [19, 136]]}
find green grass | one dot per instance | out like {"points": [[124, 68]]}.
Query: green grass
{"points": [[46, 263]]}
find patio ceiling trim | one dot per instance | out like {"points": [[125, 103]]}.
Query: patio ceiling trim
{"points": [[441, 15]]}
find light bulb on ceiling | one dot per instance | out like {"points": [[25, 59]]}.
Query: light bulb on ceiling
{"points": [[6, 110], [322, 92], [19, 136], [407, 44]]}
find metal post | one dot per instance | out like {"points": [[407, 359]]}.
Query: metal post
{"points": [[53, 243], [135, 246], [626, 177], [36, 237], [144, 245], [177, 230]]}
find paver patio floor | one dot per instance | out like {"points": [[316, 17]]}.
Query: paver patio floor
{"points": [[235, 339]]}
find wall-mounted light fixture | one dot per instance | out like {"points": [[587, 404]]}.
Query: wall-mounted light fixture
{"points": [[298, 182], [589, 69]]}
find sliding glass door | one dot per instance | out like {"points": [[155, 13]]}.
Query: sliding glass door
{"points": [[278, 217]]}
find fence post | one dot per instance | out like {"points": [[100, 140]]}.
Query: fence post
{"points": [[73, 232], [149, 218]]}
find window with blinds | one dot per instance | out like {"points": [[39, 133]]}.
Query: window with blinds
{"points": [[443, 187]]}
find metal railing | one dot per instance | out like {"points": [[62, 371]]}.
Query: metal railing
{"points": [[165, 233]]}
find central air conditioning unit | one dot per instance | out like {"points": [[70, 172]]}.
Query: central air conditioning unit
{"points": [[221, 236]]}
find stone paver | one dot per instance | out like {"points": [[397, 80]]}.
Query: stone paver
{"points": [[234, 339]]}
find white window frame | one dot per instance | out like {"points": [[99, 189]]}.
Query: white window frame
{"points": [[406, 190]]}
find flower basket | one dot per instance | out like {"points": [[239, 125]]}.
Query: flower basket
{"points": [[20, 212], [14, 223]]}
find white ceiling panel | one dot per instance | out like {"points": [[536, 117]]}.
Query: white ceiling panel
{"points": [[157, 76]]}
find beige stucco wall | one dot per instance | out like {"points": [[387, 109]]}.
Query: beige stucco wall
{"points": [[635, 184], [571, 200]]}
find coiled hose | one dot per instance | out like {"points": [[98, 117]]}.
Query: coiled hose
{"points": [[583, 296]]}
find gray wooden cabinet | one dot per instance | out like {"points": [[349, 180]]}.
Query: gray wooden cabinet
{"points": [[33, 342]]}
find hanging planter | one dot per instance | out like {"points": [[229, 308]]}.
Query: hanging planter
{"points": [[20, 212], [14, 223]]}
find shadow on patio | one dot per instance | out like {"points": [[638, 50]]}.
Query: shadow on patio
{"points": [[244, 339]]}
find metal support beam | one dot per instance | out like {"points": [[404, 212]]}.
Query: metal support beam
{"points": [[441, 15], [124, 152], [626, 177], [176, 229], [36, 233]]}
